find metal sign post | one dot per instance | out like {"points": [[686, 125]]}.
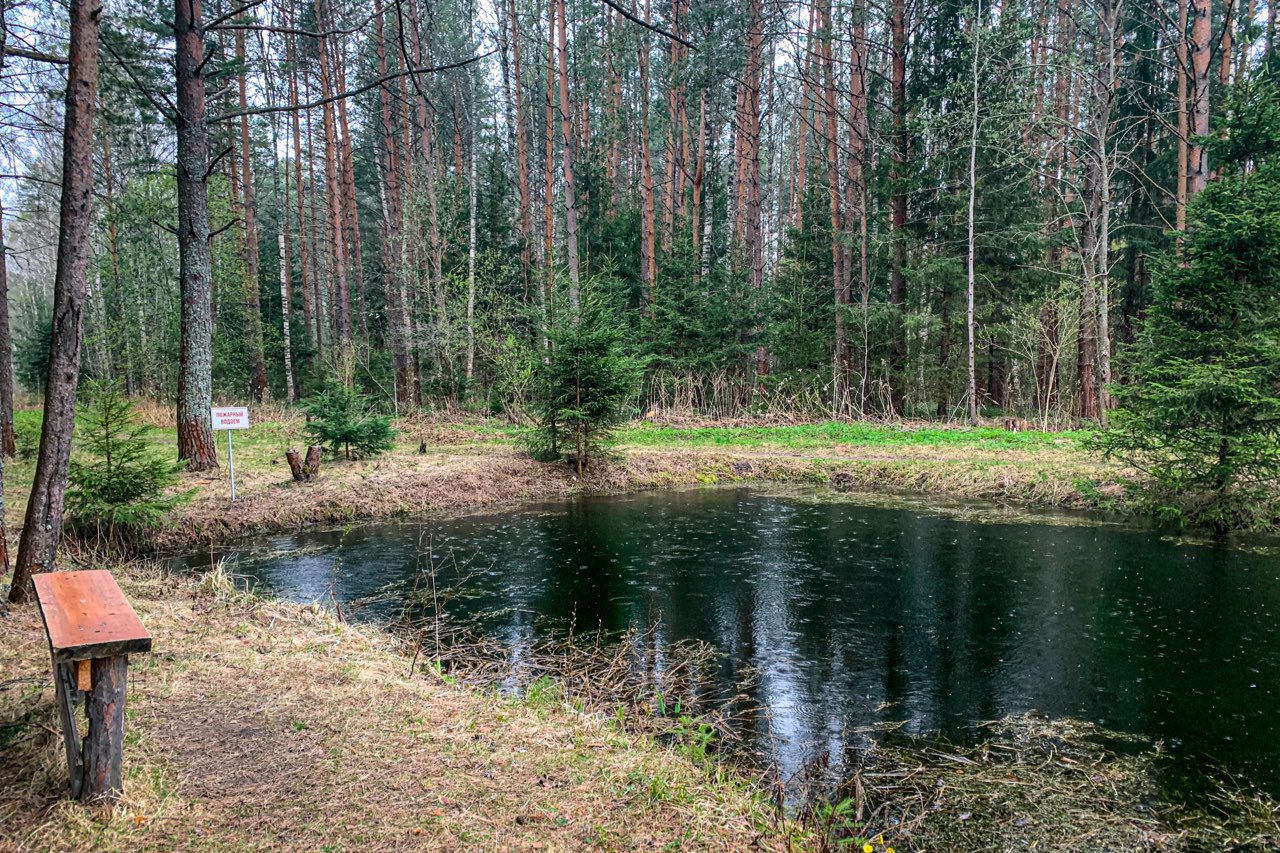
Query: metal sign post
{"points": [[230, 418], [231, 465]]}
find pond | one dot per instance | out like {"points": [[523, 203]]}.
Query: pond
{"points": [[853, 611]]}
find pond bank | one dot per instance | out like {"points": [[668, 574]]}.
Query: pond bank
{"points": [[464, 466]]}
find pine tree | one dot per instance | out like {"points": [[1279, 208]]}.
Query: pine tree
{"points": [[1203, 416], [583, 389], [340, 417], [122, 493]]}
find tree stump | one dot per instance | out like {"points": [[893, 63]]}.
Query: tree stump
{"points": [[305, 470]]}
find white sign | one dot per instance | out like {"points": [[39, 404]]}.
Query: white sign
{"points": [[230, 417]]}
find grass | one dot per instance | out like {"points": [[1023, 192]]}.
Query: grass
{"points": [[835, 434], [258, 724], [475, 462]]}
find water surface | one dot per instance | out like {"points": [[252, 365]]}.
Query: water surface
{"points": [[853, 613]]}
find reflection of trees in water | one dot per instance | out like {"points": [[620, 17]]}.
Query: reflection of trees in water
{"points": [[851, 616]]}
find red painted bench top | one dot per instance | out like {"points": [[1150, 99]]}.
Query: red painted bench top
{"points": [[87, 616]]}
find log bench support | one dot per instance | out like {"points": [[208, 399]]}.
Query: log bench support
{"points": [[92, 631]]}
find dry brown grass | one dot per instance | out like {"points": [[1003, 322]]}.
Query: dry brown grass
{"points": [[471, 470], [257, 724], [1037, 784]]}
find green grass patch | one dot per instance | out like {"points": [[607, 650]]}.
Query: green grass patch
{"points": [[829, 433]]}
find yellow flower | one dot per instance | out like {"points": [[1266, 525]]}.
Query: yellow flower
{"points": [[888, 850], [867, 848]]}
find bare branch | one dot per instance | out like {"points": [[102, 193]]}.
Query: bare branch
{"points": [[171, 112], [350, 93], [648, 26], [240, 10], [218, 231], [38, 56]]}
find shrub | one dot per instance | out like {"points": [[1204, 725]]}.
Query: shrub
{"points": [[341, 419], [120, 495]]}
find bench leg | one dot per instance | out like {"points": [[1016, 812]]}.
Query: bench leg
{"points": [[104, 744], [68, 698]]}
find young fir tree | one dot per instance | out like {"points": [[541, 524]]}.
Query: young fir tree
{"points": [[121, 494], [584, 386], [341, 418], [1202, 416]]}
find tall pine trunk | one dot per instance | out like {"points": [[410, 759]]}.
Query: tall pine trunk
{"points": [[648, 232], [42, 527], [1183, 72], [304, 267], [566, 154], [898, 199], [1200, 55], [252, 285], [195, 271], [280, 184], [8, 445], [522, 155], [334, 190]]}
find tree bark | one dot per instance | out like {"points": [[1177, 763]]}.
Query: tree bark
{"points": [[104, 745], [252, 286], [42, 526], [334, 189], [802, 133], [859, 131], [195, 370], [471, 263], [396, 270], [522, 155], [8, 445], [347, 172], [1200, 55], [319, 284], [648, 231], [304, 471], [566, 154], [280, 183], [972, 223], [898, 200], [549, 167], [841, 361], [699, 175], [753, 220], [1182, 71]]}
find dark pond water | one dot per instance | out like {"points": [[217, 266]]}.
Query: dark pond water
{"points": [[854, 613]]}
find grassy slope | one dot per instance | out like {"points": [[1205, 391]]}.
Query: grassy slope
{"points": [[259, 724], [477, 463], [834, 434]]}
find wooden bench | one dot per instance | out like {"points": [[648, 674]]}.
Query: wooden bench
{"points": [[92, 631]]}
